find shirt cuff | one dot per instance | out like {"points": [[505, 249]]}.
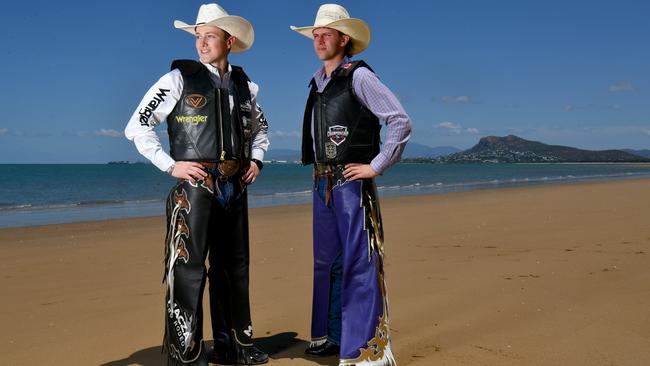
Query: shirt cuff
{"points": [[165, 163], [257, 154], [379, 165]]}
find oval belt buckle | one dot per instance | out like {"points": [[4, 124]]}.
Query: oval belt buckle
{"points": [[228, 167]]}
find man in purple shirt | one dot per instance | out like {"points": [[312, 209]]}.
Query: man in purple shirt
{"points": [[341, 138]]}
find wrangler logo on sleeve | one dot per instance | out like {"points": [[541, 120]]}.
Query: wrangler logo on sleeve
{"points": [[146, 112]]}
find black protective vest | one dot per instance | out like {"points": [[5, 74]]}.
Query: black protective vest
{"points": [[345, 131], [201, 127]]}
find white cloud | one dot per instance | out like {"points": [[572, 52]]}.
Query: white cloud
{"points": [[645, 131], [455, 99], [3, 131], [455, 128], [293, 133], [31, 134], [109, 133], [621, 86], [592, 106], [449, 125]]}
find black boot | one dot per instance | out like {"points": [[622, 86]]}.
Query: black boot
{"points": [[251, 355], [222, 355], [244, 355], [326, 349]]}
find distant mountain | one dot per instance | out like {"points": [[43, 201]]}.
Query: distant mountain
{"points": [[513, 149], [415, 150], [645, 153], [288, 155]]}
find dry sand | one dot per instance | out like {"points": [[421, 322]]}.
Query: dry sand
{"points": [[552, 275]]}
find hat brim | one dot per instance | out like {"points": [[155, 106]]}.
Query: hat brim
{"points": [[357, 29], [235, 25]]}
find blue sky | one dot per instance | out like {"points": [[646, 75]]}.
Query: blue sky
{"points": [[561, 72]]}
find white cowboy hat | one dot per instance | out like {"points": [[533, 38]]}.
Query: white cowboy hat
{"points": [[215, 15], [336, 17]]}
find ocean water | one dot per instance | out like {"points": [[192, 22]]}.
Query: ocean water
{"points": [[49, 194]]}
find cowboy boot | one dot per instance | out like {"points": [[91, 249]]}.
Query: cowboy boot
{"points": [[251, 355], [244, 355]]}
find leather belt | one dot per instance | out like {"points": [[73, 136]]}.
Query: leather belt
{"points": [[226, 168], [327, 169], [333, 171], [208, 165]]}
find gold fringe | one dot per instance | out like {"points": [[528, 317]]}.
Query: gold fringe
{"points": [[378, 352]]}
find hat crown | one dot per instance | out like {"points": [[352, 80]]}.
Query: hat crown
{"points": [[328, 13], [210, 12], [336, 17], [214, 15]]}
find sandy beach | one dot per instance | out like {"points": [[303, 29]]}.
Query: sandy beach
{"points": [[545, 275]]}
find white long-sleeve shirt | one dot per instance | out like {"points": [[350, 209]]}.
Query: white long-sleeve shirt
{"points": [[140, 128]]}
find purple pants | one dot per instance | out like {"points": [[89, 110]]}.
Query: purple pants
{"points": [[344, 227]]}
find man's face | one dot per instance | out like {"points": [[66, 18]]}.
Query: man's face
{"points": [[211, 44], [329, 43]]}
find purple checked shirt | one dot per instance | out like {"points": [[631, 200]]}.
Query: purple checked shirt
{"points": [[375, 96]]}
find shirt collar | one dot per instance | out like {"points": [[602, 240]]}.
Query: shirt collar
{"points": [[320, 73], [215, 71]]}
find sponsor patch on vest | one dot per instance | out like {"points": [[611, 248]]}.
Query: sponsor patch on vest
{"points": [[191, 119], [337, 134], [330, 150], [146, 112], [196, 101]]}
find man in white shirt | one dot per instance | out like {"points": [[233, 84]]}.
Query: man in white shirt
{"points": [[218, 137]]}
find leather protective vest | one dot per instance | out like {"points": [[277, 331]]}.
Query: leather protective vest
{"points": [[344, 130], [201, 127]]}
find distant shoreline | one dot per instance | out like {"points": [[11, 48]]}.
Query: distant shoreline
{"points": [[92, 212]]}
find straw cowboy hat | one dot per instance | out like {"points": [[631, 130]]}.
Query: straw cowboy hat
{"points": [[336, 17], [215, 15]]}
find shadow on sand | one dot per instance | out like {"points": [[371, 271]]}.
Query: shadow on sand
{"points": [[279, 346]]}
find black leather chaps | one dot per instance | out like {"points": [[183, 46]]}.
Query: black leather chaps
{"points": [[199, 226]]}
